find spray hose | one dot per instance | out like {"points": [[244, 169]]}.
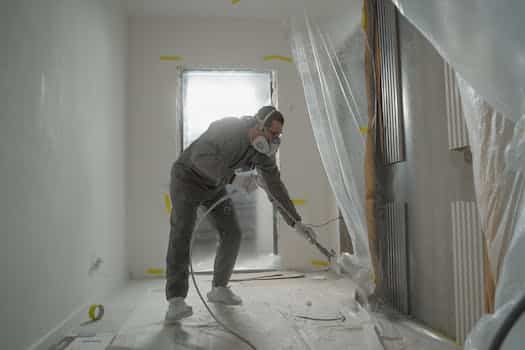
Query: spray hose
{"points": [[222, 324], [329, 254]]}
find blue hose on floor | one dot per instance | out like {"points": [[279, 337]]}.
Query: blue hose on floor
{"points": [[222, 324]]}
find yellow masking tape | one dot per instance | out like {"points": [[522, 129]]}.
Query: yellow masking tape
{"points": [[170, 58], [278, 58], [96, 312], [167, 202], [364, 130], [155, 271], [299, 201], [320, 263], [235, 2], [364, 18]]}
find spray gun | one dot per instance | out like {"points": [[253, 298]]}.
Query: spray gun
{"points": [[329, 254]]}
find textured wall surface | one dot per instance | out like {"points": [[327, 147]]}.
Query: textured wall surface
{"points": [[62, 130]]}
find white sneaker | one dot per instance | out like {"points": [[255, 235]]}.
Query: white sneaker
{"points": [[177, 310], [223, 295]]}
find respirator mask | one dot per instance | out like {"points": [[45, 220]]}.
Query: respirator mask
{"points": [[261, 143]]}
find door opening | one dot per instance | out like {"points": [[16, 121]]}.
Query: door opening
{"points": [[209, 95]]}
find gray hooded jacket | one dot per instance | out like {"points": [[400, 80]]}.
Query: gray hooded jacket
{"points": [[226, 147]]}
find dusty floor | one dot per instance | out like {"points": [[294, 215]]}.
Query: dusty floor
{"points": [[270, 317], [251, 256]]}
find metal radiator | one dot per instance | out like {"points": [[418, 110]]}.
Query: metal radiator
{"points": [[392, 138], [457, 129], [395, 256], [468, 266]]}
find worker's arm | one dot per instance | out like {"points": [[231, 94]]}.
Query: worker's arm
{"points": [[269, 171]]}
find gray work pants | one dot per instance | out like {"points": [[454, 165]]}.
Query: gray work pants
{"points": [[187, 194]]}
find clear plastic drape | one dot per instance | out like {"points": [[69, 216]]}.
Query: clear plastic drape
{"points": [[499, 183], [332, 68], [483, 40], [498, 151]]}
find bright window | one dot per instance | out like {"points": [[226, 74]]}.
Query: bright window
{"points": [[210, 95]]}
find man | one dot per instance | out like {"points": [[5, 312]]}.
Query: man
{"points": [[199, 177]]}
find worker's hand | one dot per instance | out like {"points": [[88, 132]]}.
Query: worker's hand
{"points": [[245, 183], [307, 232]]}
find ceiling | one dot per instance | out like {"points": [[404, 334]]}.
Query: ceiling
{"points": [[263, 9]]}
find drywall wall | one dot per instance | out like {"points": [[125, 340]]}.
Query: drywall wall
{"points": [[61, 160], [152, 134], [431, 178]]}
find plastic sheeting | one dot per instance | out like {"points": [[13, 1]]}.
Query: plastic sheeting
{"points": [[498, 148], [483, 40], [492, 64], [481, 337], [330, 60], [499, 181]]}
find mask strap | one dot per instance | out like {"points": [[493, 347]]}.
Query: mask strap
{"points": [[266, 117]]}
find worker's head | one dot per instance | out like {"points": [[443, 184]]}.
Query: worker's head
{"points": [[269, 126], [268, 117]]}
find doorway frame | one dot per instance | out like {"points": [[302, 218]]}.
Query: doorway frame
{"points": [[179, 117]]}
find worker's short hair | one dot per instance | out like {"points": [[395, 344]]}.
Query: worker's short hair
{"points": [[267, 114]]}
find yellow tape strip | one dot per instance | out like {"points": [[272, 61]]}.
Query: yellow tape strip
{"points": [[364, 130], [299, 201], [235, 2], [364, 18], [320, 263], [167, 202], [278, 58], [96, 312], [155, 271], [170, 58]]}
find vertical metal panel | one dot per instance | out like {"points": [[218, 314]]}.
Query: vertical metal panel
{"points": [[468, 267], [457, 129], [394, 255], [392, 142]]}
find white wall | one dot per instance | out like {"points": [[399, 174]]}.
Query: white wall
{"points": [[61, 160], [152, 144]]}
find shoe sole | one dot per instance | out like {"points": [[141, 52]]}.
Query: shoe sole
{"points": [[178, 318]]}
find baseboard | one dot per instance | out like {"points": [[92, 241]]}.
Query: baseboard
{"points": [[54, 335], [71, 322]]}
